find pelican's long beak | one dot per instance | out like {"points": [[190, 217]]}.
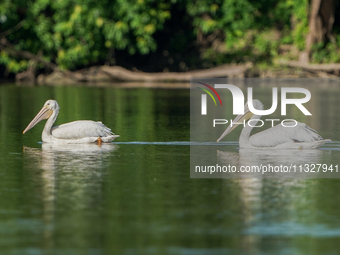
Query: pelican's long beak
{"points": [[44, 113], [239, 119]]}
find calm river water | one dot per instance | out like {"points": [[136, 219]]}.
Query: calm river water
{"points": [[136, 196]]}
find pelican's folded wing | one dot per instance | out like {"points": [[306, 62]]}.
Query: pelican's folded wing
{"points": [[279, 135], [81, 129]]}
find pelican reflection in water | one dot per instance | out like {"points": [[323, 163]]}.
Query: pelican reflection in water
{"points": [[82, 131], [278, 137]]}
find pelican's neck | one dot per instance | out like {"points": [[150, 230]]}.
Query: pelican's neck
{"points": [[245, 134], [47, 134]]}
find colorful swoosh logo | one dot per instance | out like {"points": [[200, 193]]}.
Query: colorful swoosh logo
{"points": [[208, 92]]}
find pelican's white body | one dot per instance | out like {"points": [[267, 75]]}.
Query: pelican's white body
{"points": [[300, 136], [76, 132]]}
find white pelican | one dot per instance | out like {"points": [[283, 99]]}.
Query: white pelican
{"points": [[82, 131], [278, 137]]}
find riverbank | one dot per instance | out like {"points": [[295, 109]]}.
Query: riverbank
{"points": [[122, 77]]}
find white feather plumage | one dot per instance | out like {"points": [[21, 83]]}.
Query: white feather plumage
{"points": [[82, 131], [300, 136]]}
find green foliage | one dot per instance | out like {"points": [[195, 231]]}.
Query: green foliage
{"points": [[78, 33], [234, 17], [12, 64], [325, 53], [248, 25], [300, 19], [73, 33]]}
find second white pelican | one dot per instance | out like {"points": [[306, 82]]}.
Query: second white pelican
{"points": [[82, 131], [278, 137]]}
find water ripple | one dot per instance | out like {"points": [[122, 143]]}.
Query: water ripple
{"points": [[293, 229], [179, 143]]}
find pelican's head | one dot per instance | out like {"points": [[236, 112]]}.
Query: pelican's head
{"points": [[240, 118], [256, 104], [46, 111], [51, 105]]}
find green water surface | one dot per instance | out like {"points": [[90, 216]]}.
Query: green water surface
{"points": [[135, 196]]}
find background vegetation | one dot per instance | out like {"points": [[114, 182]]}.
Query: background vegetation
{"points": [[155, 35]]}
